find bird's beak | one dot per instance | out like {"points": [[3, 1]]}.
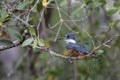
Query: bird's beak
{"points": [[61, 38]]}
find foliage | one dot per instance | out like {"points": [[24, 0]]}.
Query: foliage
{"points": [[6, 42], [92, 21]]}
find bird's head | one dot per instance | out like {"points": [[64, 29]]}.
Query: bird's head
{"points": [[69, 38]]}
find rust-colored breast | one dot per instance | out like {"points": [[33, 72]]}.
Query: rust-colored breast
{"points": [[74, 53]]}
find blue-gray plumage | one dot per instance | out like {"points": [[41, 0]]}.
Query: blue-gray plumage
{"points": [[78, 47], [73, 47]]}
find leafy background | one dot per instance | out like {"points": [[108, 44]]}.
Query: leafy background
{"points": [[92, 21]]}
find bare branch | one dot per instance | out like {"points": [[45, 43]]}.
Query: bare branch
{"points": [[89, 55], [105, 44], [40, 20]]}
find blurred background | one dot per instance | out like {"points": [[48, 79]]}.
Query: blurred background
{"points": [[92, 21]]}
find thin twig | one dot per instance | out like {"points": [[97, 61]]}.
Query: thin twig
{"points": [[59, 13], [103, 44], [57, 23], [69, 7], [20, 19], [70, 28], [40, 20], [58, 31], [74, 20], [34, 5], [29, 11]]}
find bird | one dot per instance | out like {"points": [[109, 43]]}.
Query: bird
{"points": [[73, 47]]}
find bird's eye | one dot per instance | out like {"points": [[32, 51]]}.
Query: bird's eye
{"points": [[68, 36]]}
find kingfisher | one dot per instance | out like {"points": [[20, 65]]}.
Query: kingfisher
{"points": [[74, 48]]}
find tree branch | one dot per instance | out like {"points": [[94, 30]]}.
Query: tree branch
{"points": [[92, 52], [15, 43], [104, 44], [43, 48]]}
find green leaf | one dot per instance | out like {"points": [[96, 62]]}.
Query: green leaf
{"points": [[15, 33], [1, 23], [18, 36], [100, 51], [27, 41], [35, 43], [111, 24], [86, 1], [77, 11], [32, 31], [6, 42], [116, 4], [62, 2], [95, 4], [23, 4], [103, 2], [41, 42], [112, 11], [39, 7], [3, 14]]}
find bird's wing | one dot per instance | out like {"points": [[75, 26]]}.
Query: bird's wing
{"points": [[80, 48]]}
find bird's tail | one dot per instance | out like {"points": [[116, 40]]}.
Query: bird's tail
{"points": [[96, 57]]}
